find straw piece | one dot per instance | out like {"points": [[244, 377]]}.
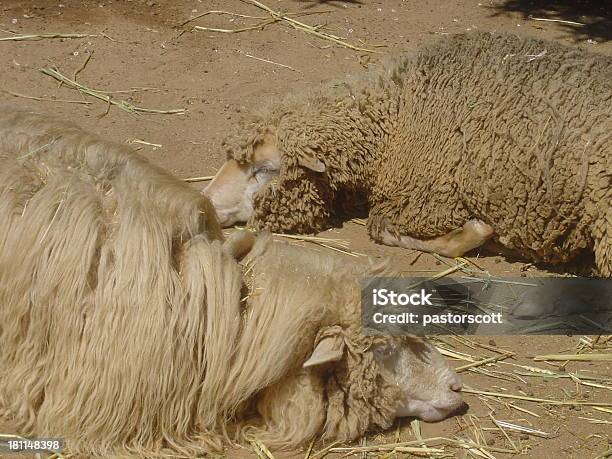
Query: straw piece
{"points": [[346, 252], [455, 355], [467, 444], [338, 245], [48, 99], [323, 452], [83, 65], [575, 357], [440, 275], [416, 449], [217, 12], [501, 429], [123, 105], [142, 142], [36, 150], [270, 62], [605, 410], [309, 450], [259, 26], [228, 13], [312, 30], [556, 20], [522, 429], [259, 453], [522, 410], [535, 399], [261, 450], [481, 362], [596, 421], [204, 178], [45, 36]]}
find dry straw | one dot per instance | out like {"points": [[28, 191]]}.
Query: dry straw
{"points": [[204, 178], [48, 99], [122, 104], [536, 399], [277, 16], [575, 357], [45, 36]]}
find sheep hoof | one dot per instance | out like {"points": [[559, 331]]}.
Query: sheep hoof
{"points": [[456, 243], [473, 234], [478, 228]]}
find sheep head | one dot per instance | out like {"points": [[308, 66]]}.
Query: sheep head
{"points": [[385, 378], [344, 390], [235, 184], [349, 382], [271, 183]]}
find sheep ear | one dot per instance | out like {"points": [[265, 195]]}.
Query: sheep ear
{"points": [[313, 164], [329, 349]]}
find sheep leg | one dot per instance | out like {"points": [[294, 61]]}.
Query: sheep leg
{"points": [[603, 244], [474, 233]]}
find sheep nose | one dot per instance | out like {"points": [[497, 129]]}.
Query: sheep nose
{"points": [[456, 386], [454, 383]]}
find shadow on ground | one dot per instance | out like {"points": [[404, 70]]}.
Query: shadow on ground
{"points": [[594, 17]]}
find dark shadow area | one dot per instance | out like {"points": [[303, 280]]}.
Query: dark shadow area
{"points": [[583, 265], [594, 17]]}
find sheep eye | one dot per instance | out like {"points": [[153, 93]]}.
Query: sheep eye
{"points": [[261, 170]]}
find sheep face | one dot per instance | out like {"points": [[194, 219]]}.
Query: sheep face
{"points": [[426, 387], [234, 186], [430, 387], [264, 179]]}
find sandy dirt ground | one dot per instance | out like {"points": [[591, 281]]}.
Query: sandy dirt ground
{"points": [[139, 52]]}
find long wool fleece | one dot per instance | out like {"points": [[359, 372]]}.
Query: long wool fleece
{"points": [[123, 327]]}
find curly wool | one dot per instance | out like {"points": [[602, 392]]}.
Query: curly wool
{"points": [[513, 131]]}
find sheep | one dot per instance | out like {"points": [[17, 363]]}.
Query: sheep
{"points": [[128, 326], [473, 137], [358, 395]]}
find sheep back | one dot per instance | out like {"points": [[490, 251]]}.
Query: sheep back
{"points": [[106, 269]]}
